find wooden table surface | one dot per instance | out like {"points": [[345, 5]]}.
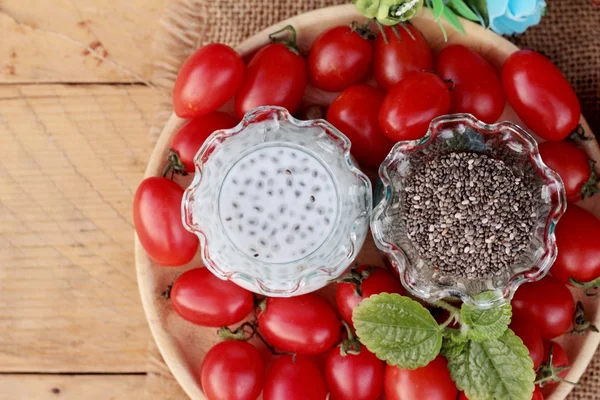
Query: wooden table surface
{"points": [[76, 108], [75, 115]]}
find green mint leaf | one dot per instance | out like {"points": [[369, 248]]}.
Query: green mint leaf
{"points": [[495, 369], [452, 348], [398, 330], [456, 335], [453, 20], [438, 9], [486, 324], [464, 10]]}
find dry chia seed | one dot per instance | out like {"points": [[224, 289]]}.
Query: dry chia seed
{"points": [[468, 215]]}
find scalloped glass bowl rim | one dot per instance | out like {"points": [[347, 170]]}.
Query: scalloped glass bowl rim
{"points": [[243, 279], [557, 209]]}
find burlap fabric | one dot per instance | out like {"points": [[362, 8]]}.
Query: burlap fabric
{"points": [[569, 35]]}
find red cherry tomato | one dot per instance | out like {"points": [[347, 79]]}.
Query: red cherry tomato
{"points": [[578, 241], [303, 324], [355, 112], [411, 104], [393, 60], [531, 339], [294, 378], [354, 376], [537, 395], [188, 140], [157, 220], [339, 57], [276, 76], [200, 297], [207, 80], [571, 163], [232, 370], [431, 382], [559, 359], [372, 281], [547, 304], [540, 95], [476, 86]]}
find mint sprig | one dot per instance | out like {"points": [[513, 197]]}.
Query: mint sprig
{"points": [[485, 324], [494, 369], [398, 330], [453, 348], [485, 357]]}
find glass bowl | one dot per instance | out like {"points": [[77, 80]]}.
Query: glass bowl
{"points": [[463, 132], [278, 204]]}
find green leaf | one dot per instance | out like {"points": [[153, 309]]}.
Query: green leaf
{"points": [[464, 10], [486, 324], [453, 20], [456, 335], [481, 7], [452, 348], [398, 330], [495, 369], [438, 9]]}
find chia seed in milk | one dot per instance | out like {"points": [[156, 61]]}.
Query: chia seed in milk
{"points": [[278, 203]]}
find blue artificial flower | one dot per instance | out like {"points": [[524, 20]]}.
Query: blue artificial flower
{"points": [[508, 17]]}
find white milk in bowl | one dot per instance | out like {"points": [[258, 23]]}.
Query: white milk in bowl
{"points": [[278, 204]]}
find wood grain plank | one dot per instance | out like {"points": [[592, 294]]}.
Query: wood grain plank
{"points": [[91, 387], [60, 40], [72, 158]]}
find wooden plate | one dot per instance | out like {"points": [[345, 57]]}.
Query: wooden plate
{"points": [[182, 344]]}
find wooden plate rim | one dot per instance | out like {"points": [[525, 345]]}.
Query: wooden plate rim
{"points": [[148, 290]]}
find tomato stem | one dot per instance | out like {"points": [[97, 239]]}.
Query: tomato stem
{"points": [[403, 25], [579, 134], [590, 188], [240, 333], [174, 165], [396, 32], [350, 345], [270, 347], [382, 31], [580, 324], [362, 30], [167, 293], [590, 288], [355, 278], [280, 37], [547, 372]]}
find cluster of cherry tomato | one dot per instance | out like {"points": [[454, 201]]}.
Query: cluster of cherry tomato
{"points": [[312, 355], [387, 93]]}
